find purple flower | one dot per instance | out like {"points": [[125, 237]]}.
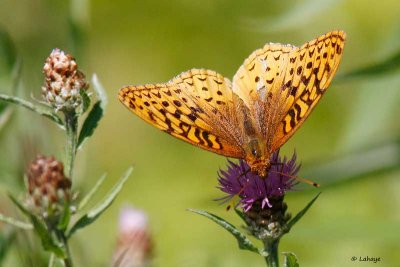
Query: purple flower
{"points": [[239, 181]]}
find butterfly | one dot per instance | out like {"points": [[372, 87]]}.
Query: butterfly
{"points": [[252, 116]]}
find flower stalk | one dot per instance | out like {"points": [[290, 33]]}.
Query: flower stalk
{"points": [[50, 203], [64, 85], [71, 127], [271, 247], [68, 259]]}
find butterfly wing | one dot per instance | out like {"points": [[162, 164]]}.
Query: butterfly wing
{"points": [[258, 82], [306, 80], [195, 106], [283, 83]]}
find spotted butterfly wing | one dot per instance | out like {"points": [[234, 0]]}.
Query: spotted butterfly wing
{"points": [[317, 63], [283, 83], [195, 106]]}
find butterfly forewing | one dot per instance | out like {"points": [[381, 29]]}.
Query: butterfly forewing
{"points": [[194, 106], [317, 62], [281, 84]]}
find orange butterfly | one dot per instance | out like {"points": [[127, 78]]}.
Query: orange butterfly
{"points": [[270, 97]]}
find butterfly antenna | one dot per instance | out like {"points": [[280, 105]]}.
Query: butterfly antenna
{"points": [[233, 200], [304, 180], [232, 203]]}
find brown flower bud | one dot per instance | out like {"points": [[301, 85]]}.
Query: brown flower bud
{"points": [[47, 185], [63, 81]]}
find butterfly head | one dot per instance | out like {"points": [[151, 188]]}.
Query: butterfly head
{"points": [[256, 157]]}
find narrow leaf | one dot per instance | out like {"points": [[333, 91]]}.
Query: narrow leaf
{"points": [[78, 22], [93, 214], [243, 242], [92, 191], [5, 114], [290, 260], [16, 76], [66, 217], [7, 51], [85, 100], [40, 227], [389, 64], [6, 242], [297, 16], [300, 214], [101, 93], [91, 122], [48, 113], [382, 158], [52, 260], [240, 214], [16, 223]]}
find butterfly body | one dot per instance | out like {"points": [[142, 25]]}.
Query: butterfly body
{"points": [[251, 117]]}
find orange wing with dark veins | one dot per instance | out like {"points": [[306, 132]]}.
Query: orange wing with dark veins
{"points": [[309, 73], [281, 84], [195, 106]]}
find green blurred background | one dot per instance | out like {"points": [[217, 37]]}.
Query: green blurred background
{"points": [[350, 144]]}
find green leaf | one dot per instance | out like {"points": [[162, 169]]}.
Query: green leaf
{"points": [[299, 215], [5, 114], [383, 157], [16, 223], [101, 93], [94, 213], [65, 218], [300, 14], [8, 52], [389, 64], [85, 100], [6, 241], [92, 191], [52, 260], [90, 123], [96, 113], [243, 241], [78, 21], [240, 214], [48, 243], [290, 260], [48, 113]]}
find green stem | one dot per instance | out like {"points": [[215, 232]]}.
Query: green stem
{"points": [[68, 259], [71, 125], [271, 246]]}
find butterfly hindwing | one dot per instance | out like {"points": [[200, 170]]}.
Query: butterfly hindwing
{"points": [[195, 106]]}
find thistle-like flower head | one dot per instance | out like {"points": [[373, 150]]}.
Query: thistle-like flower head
{"points": [[261, 197], [48, 187], [63, 81], [239, 181]]}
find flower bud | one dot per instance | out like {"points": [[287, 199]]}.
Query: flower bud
{"points": [[134, 244], [268, 222], [48, 187], [63, 81]]}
